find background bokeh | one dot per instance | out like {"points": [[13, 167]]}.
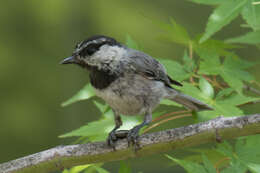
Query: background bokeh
{"points": [[36, 35]]}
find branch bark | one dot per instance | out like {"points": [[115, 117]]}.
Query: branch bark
{"points": [[62, 157]]}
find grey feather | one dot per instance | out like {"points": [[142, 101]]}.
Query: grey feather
{"points": [[149, 67], [187, 101]]}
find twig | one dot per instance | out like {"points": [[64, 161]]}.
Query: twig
{"points": [[190, 50], [165, 120], [191, 57], [249, 103], [249, 88], [214, 82], [170, 114], [219, 162], [67, 156]]}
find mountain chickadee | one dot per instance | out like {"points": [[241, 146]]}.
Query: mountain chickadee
{"points": [[130, 81]]}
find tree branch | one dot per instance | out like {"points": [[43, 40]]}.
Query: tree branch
{"points": [[62, 157]]}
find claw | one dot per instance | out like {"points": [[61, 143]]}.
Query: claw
{"points": [[112, 139], [114, 136], [132, 138], [131, 135], [218, 137]]}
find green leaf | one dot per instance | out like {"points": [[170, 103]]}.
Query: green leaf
{"points": [[226, 110], [231, 70], [247, 149], [95, 131], [100, 170], [131, 43], [228, 106], [224, 93], [226, 149], [236, 167], [222, 106], [169, 103], [173, 32], [210, 153], [251, 14], [193, 91], [124, 167], [255, 168], [208, 165], [65, 171], [232, 79], [249, 155], [208, 2], [233, 61], [98, 130], [222, 16], [78, 169], [189, 63], [180, 33], [233, 74], [252, 141], [85, 93], [238, 99], [210, 63], [190, 167], [175, 69], [102, 107], [206, 88], [249, 38], [212, 46]]}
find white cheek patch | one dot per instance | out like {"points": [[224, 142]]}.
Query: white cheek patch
{"points": [[107, 57]]}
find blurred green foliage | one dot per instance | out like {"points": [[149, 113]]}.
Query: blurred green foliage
{"points": [[240, 158], [36, 35]]}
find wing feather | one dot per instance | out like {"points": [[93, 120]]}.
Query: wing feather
{"points": [[150, 68]]}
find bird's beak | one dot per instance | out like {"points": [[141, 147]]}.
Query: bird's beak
{"points": [[69, 60]]}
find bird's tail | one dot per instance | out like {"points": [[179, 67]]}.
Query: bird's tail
{"points": [[189, 102]]}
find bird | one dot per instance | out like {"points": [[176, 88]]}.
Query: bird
{"points": [[131, 82]]}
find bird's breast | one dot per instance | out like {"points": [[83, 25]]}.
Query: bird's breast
{"points": [[100, 78], [132, 94]]}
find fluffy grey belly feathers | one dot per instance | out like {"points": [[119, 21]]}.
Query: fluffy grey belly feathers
{"points": [[133, 94]]}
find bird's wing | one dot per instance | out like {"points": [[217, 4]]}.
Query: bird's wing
{"points": [[150, 68]]}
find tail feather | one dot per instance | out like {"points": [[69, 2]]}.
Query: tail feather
{"points": [[190, 102]]}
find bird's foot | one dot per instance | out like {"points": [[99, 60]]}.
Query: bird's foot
{"points": [[218, 137], [111, 139], [133, 138], [115, 135]]}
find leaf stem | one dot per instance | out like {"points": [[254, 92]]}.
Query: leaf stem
{"points": [[191, 56], [257, 83], [219, 162], [254, 90], [166, 120], [252, 102], [214, 82], [256, 3], [190, 50], [169, 114]]}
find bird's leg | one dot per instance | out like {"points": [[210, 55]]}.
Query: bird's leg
{"points": [[132, 136], [112, 137]]}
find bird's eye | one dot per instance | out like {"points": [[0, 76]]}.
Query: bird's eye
{"points": [[83, 52], [89, 50]]}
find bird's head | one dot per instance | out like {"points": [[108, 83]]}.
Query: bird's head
{"points": [[99, 51]]}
